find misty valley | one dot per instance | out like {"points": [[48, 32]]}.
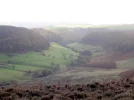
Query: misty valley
{"points": [[67, 62]]}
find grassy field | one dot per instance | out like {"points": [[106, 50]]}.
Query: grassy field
{"points": [[32, 61], [95, 50], [26, 68], [8, 75], [55, 54], [125, 64]]}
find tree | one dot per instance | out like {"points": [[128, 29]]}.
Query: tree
{"points": [[52, 63], [13, 66], [36, 74], [56, 68], [86, 53], [84, 57], [46, 72], [71, 58]]}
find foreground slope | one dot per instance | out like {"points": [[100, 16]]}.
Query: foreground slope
{"points": [[107, 90]]}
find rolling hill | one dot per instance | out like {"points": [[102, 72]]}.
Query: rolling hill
{"points": [[18, 39], [35, 50], [48, 34], [112, 41]]}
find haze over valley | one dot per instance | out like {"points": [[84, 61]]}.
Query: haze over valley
{"points": [[66, 50]]}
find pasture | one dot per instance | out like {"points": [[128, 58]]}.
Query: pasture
{"points": [[95, 50], [14, 65]]}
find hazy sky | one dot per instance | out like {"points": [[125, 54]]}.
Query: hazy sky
{"points": [[67, 11]]}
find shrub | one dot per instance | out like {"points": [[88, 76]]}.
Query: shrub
{"points": [[86, 53], [52, 63], [46, 72], [56, 68], [36, 74]]}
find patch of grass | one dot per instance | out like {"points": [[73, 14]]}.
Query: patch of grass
{"points": [[3, 58], [25, 68], [125, 64], [95, 72], [95, 50], [54, 54], [7, 75]]}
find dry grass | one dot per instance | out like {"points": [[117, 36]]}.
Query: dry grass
{"points": [[109, 90]]}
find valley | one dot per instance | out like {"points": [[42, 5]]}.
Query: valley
{"points": [[17, 64], [95, 54], [66, 50]]}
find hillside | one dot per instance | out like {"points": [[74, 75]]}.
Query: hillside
{"points": [[112, 41], [75, 34], [106, 90], [18, 39], [28, 54], [18, 64], [48, 34], [87, 63], [71, 35]]}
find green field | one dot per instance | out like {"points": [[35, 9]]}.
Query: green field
{"points": [[32, 61], [7, 75], [26, 68], [95, 50]]}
